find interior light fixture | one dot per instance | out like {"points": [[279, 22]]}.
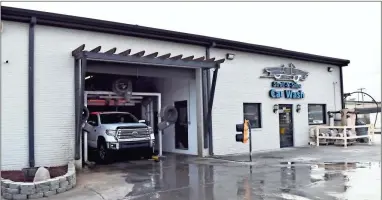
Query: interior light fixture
{"points": [[330, 69], [88, 77]]}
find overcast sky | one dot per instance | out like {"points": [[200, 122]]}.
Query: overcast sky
{"points": [[349, 30]]}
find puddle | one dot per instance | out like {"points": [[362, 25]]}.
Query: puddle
{"points": [[288, 181]]}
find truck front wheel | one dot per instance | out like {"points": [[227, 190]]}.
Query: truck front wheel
{"points": [[103, 153]]}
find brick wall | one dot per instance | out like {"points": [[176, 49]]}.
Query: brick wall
{"points": [[14, 96]]}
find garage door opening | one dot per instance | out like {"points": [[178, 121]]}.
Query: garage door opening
{"points": [[148, 91], [175, 78]]}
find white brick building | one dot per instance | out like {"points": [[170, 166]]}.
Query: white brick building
{"points": [[38, 109]]}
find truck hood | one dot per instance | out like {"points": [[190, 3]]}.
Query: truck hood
{"points": [[127, 125]]}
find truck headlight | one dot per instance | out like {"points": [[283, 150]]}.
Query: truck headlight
{"points": [[150, 130], [111, 132]]}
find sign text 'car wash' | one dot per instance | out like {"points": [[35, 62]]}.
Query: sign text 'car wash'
{"points": [[286, 84]]}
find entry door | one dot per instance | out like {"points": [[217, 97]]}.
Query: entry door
{"points": [[286, 125], [181, 126]]}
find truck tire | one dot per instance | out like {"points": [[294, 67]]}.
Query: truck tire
{"points": [[103, 154]]}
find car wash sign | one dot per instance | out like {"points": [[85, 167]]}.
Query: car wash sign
{"points": [[287, 81]]}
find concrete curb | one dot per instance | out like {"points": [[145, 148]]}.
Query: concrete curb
{"points": [[25, 190]]}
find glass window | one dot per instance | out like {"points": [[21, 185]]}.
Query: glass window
{"points": [[252, 112], [113, 118], [317, 114], [93, 120]]}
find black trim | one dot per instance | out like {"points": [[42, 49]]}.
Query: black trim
{"points": [[31, 91], [81, 23], [149, 60], [324, 113], [342, 89]]}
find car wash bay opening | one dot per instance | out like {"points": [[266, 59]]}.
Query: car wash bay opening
{"points": [[157, 81]]}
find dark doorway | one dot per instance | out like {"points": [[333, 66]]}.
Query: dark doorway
{"points": [[181, 126], [286, 125]]}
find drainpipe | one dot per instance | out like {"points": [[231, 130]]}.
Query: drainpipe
{"points": [[342, 89], [31, 91], [77, 78], [208, 103]]}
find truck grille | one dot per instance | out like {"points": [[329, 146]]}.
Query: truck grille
{"points": [[132, 133]]}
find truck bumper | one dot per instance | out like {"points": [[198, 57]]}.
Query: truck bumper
{"points": [[130, 144]]}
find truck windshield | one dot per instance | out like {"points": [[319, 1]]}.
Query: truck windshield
{"points": [[113, 118]]}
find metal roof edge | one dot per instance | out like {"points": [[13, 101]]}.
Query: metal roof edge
{"points": [[82, 23]]}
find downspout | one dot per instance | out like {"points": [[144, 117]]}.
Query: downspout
{"points": [[77, 135], [342, 89], [79, 80], [31, 41], [210, 95]]}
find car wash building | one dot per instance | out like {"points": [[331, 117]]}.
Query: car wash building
{"points": [[53, 65]]}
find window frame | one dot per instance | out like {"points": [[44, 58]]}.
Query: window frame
{"points": [[259, 115], [323, 106]]}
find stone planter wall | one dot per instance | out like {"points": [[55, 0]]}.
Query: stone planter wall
{"points": [[22, 190]]}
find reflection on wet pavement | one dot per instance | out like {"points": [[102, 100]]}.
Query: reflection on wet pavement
{"points": [[178, 178]]}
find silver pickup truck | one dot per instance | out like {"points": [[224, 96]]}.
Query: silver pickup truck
{"points": [[113, 131]]}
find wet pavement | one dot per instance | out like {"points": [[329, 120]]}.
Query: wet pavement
{"points": [[299, 181], [297, 174]]}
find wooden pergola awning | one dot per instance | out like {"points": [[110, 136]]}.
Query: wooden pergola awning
{"points": [[141, 58]]}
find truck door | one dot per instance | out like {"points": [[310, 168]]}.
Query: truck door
{"points": [[92, 136]]}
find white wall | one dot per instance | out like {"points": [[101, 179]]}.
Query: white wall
{"points": [[239, 82], [54, 85], [54, 93], [178, 90], [14, 96]]}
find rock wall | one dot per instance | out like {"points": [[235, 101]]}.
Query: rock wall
{"points": [[22, 190]]}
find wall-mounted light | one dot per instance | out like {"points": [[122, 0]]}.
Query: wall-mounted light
{"points": [[230, 56], [298, 108], [275, 108], [330, 69]]}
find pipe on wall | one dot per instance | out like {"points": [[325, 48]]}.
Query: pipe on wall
{"points": [[79, 78], [31, 52], [77, 73], [342, 88]]}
